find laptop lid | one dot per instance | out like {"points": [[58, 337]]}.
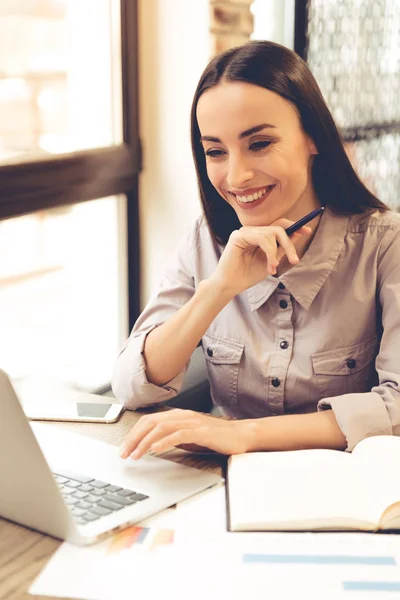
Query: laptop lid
{"points": [[29, 494]]}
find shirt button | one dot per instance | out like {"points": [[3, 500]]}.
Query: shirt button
{"points": [[284, 345], [351, 363], [209, 351], [276, 382], [281, 286], [283, 304]]}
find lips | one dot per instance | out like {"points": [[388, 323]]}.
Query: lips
{"points": [[249, 201]]}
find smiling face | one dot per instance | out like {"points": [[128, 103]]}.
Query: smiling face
{"points": [[257, 155]]}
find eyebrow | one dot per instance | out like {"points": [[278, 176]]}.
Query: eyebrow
{"points": [[255, 129]]}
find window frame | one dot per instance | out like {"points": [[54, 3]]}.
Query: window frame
{"points": [[29, 186]]}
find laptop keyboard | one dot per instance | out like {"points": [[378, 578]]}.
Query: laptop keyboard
{"points": [[90, 499]]}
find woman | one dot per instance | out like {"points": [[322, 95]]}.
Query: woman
{"points": [[290, 328]]}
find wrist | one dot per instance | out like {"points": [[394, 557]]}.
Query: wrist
{"points": [[220, 288], [251, 432]]}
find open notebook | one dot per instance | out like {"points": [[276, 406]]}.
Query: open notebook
{"points": [[317, 489]]}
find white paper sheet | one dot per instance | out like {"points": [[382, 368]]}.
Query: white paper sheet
{"points": [[103, 571], [206, 561]]}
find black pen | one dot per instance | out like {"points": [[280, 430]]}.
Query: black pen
{"points": [[304, 220]]}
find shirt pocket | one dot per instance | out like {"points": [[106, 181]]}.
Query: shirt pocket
{"points": [[223, 357], [346, 370]]}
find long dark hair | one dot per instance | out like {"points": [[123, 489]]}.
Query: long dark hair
{"points": [[280, 70]]}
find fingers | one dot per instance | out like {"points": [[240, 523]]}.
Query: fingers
{"points": [[161, 432], [272, 240], [282, 251], [181, 437], [139, 431], [151, 428], [270, 248], [275, 243], [305, 230], [287, 245]]}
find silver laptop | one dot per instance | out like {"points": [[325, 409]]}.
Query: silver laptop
{"points": [[78, 489]]}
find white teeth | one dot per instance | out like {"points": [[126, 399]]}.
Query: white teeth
{"points": [[253, 197]]}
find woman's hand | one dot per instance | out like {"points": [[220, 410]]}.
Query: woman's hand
{"points": [[253, 252], [188, 429]]}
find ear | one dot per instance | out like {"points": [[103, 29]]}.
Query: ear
{"points": [[311, 146]]}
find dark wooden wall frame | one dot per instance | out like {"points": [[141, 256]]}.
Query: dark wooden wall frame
{"points": [[130, 101], [29, 186], [300, 28]]}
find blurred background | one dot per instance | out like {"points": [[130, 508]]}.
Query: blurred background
{"points": [[96, 176]]}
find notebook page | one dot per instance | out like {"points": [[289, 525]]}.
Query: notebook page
{"points": [[381, 449], [298, 487], [378, 462]]}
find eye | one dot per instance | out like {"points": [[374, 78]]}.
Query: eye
{"points": [[256, 146], [214, 153]]}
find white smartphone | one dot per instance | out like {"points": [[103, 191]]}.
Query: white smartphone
{"points": [[92, 412]]}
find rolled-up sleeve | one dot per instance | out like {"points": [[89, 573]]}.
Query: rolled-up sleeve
{"points": [[361, 415], [129, 383]]}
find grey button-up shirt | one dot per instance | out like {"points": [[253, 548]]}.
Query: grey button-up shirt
{"points": [[325, 334]]}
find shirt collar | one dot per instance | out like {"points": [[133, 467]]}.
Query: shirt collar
{"points": [[304, 280]]}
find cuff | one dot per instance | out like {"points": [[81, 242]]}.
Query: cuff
{"points": [[359, 416], [130, 384]]}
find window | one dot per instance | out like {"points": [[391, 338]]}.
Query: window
{"points": [[353, 50], [59, 90], [69, 163]]}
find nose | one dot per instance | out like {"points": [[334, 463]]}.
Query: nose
{"points": [[239, 172]]}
